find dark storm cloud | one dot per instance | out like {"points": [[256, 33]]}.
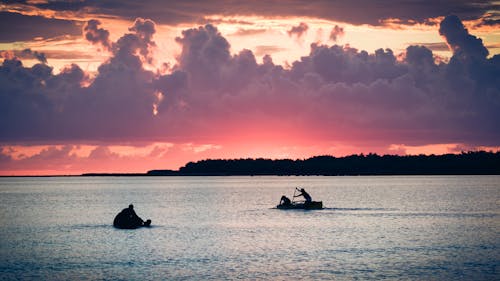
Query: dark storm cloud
{"points": [[62, 6], [459, 39], [16, 27], [419, 56], [144, 28], [121, 95], [56, 106], [335, 92], [333, 85], [31, 97], [204, 53], [96, 35], [354, 12]]}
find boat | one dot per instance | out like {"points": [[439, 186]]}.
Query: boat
{"points": [[313, 205], [287, 204]]}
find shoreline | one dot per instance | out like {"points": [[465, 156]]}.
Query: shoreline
{"points": [[240, 175], [466, 163]]}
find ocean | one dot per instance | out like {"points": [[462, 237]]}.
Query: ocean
{"points": [[227, 228]]}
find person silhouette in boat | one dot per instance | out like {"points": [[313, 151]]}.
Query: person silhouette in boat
{"points": [[128, 219], [285, 201], [304, 194]]}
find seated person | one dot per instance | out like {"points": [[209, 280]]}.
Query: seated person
{"points": [[306, 196], [285, 201], [128, 219]]}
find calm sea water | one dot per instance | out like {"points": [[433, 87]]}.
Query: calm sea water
{"points": [[225, 228]]}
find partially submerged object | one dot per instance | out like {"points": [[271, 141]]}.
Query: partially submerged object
{"points": [[128, 219], [307, 204], [130, 225]]}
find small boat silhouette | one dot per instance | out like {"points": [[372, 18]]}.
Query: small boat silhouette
{"points": [[308, 204]]}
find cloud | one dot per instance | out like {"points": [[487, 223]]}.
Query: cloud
{"points": [[16, 27], [487, 21], [332, 85], [461, 42], [145, 29], [38, 56], [200, 148], [205, 52], [298, 30], [336, 32], [96, 35], [64, 54], [335, 93], [435, 46], [76, 159], [57, 106], [181, 12], [24, 54]]}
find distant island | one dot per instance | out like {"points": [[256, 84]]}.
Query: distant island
{"points": [[466, 163]]}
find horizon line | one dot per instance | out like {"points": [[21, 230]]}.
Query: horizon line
{"points": [[145, 173]]}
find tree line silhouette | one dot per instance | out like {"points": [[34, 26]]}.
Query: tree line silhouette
{"points": [[466, 163]]}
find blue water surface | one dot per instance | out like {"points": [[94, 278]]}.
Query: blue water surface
{"points": [[226, 228]]}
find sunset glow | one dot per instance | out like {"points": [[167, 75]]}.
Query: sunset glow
{"points": [[155, 85]]}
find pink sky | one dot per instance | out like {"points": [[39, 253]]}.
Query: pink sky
{"points": [[103, 90]]}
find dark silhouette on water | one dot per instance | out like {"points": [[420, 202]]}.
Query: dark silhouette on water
{"points": [[304, 194], [128, 219], [285, 201], [307, 204]]}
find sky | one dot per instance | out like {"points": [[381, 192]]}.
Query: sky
{"points": [[130, 86]]}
